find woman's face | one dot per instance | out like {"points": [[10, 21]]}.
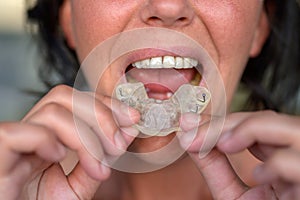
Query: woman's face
{"points": [[230, 31]]}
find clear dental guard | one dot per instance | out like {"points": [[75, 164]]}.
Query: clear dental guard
{"points": [[161, 117]]}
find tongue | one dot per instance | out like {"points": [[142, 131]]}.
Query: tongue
{"points": [[162, 81], [156, 87]]}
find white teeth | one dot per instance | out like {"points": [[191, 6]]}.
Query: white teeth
{"points": [[166, 62], [187, 63], [156, 62], [169, 61], [169, 94], [179, 63]]}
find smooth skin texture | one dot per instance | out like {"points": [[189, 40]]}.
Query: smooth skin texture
{"points": [[231, 32], [31, 148]]}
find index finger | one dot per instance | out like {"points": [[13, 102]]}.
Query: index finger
{"points": [[222, 180], [266, 127]]}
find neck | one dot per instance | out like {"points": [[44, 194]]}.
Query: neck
{"points": [[180, 180]]}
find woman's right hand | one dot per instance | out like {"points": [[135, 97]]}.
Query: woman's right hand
{"points": [[31, 149]]}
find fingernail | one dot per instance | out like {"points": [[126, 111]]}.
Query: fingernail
{"points": [[224, 137], [132, 113], [131, 131], [120, 141], [203, 154]]}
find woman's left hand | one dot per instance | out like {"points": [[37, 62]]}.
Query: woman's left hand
{"points": [[273, 138]]}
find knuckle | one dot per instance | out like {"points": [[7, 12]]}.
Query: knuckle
{"points": [[269, 113], [51, 108], [104, 99], [50, 112], [102, 112], [60, 91], [5, 129]]}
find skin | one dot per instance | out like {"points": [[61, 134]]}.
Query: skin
{"points": [[231, 32]]}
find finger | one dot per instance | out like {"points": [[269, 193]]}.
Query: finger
{"points": [[124, 114], [86, 102], [234, 119], [283, 164], [18, 138], [189, 121], [63, 125], [193, 139], [91, 110], [266, 128], [203, 138], [13, 182], [263, 151], [221, 179], [84, 186], [89, 166], [78, 185]]}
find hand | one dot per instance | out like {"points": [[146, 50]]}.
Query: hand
{"points": [[31, 149], [273, 138]]}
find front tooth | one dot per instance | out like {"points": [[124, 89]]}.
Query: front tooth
{"points": [[187, 63], [178, 63], [145, 63], [169, 62], [156, 62], [166, 62]]}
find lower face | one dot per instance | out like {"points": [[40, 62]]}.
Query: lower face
{"points": [[225, 29]]}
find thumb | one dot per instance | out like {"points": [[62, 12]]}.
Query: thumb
{"points": [[82, 184], [219, 175], [85, 180]]}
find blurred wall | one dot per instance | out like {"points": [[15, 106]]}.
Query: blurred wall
{"points": [[18, 62]]}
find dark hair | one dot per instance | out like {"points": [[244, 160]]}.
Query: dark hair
{"points": [[60, 62], [272, 78]]}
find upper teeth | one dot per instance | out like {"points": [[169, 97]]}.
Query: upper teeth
{"points": [[166, 62]]}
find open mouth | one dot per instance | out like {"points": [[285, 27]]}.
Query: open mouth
{"points": [[163, 75]]}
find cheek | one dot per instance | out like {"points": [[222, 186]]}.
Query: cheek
{"points": [[231, 26], [96, 21]]}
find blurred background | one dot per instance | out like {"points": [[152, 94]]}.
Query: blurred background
{"points": [[18, 62]]}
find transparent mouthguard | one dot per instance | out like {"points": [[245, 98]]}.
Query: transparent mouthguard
{"points": [[161, 117]]}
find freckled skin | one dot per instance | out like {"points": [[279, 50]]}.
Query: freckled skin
{"points": [[230, 31], [226, 29]]}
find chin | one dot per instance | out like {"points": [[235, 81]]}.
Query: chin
{"points": [[161, 151], [150, 144]]}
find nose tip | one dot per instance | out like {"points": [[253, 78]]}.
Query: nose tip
{"points": [[167, 13]]}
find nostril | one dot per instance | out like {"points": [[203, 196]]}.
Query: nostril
{"points": [[153, 18], [182, 19]]}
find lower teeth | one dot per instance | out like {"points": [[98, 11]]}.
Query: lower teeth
{"points": [[161, 117]]}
